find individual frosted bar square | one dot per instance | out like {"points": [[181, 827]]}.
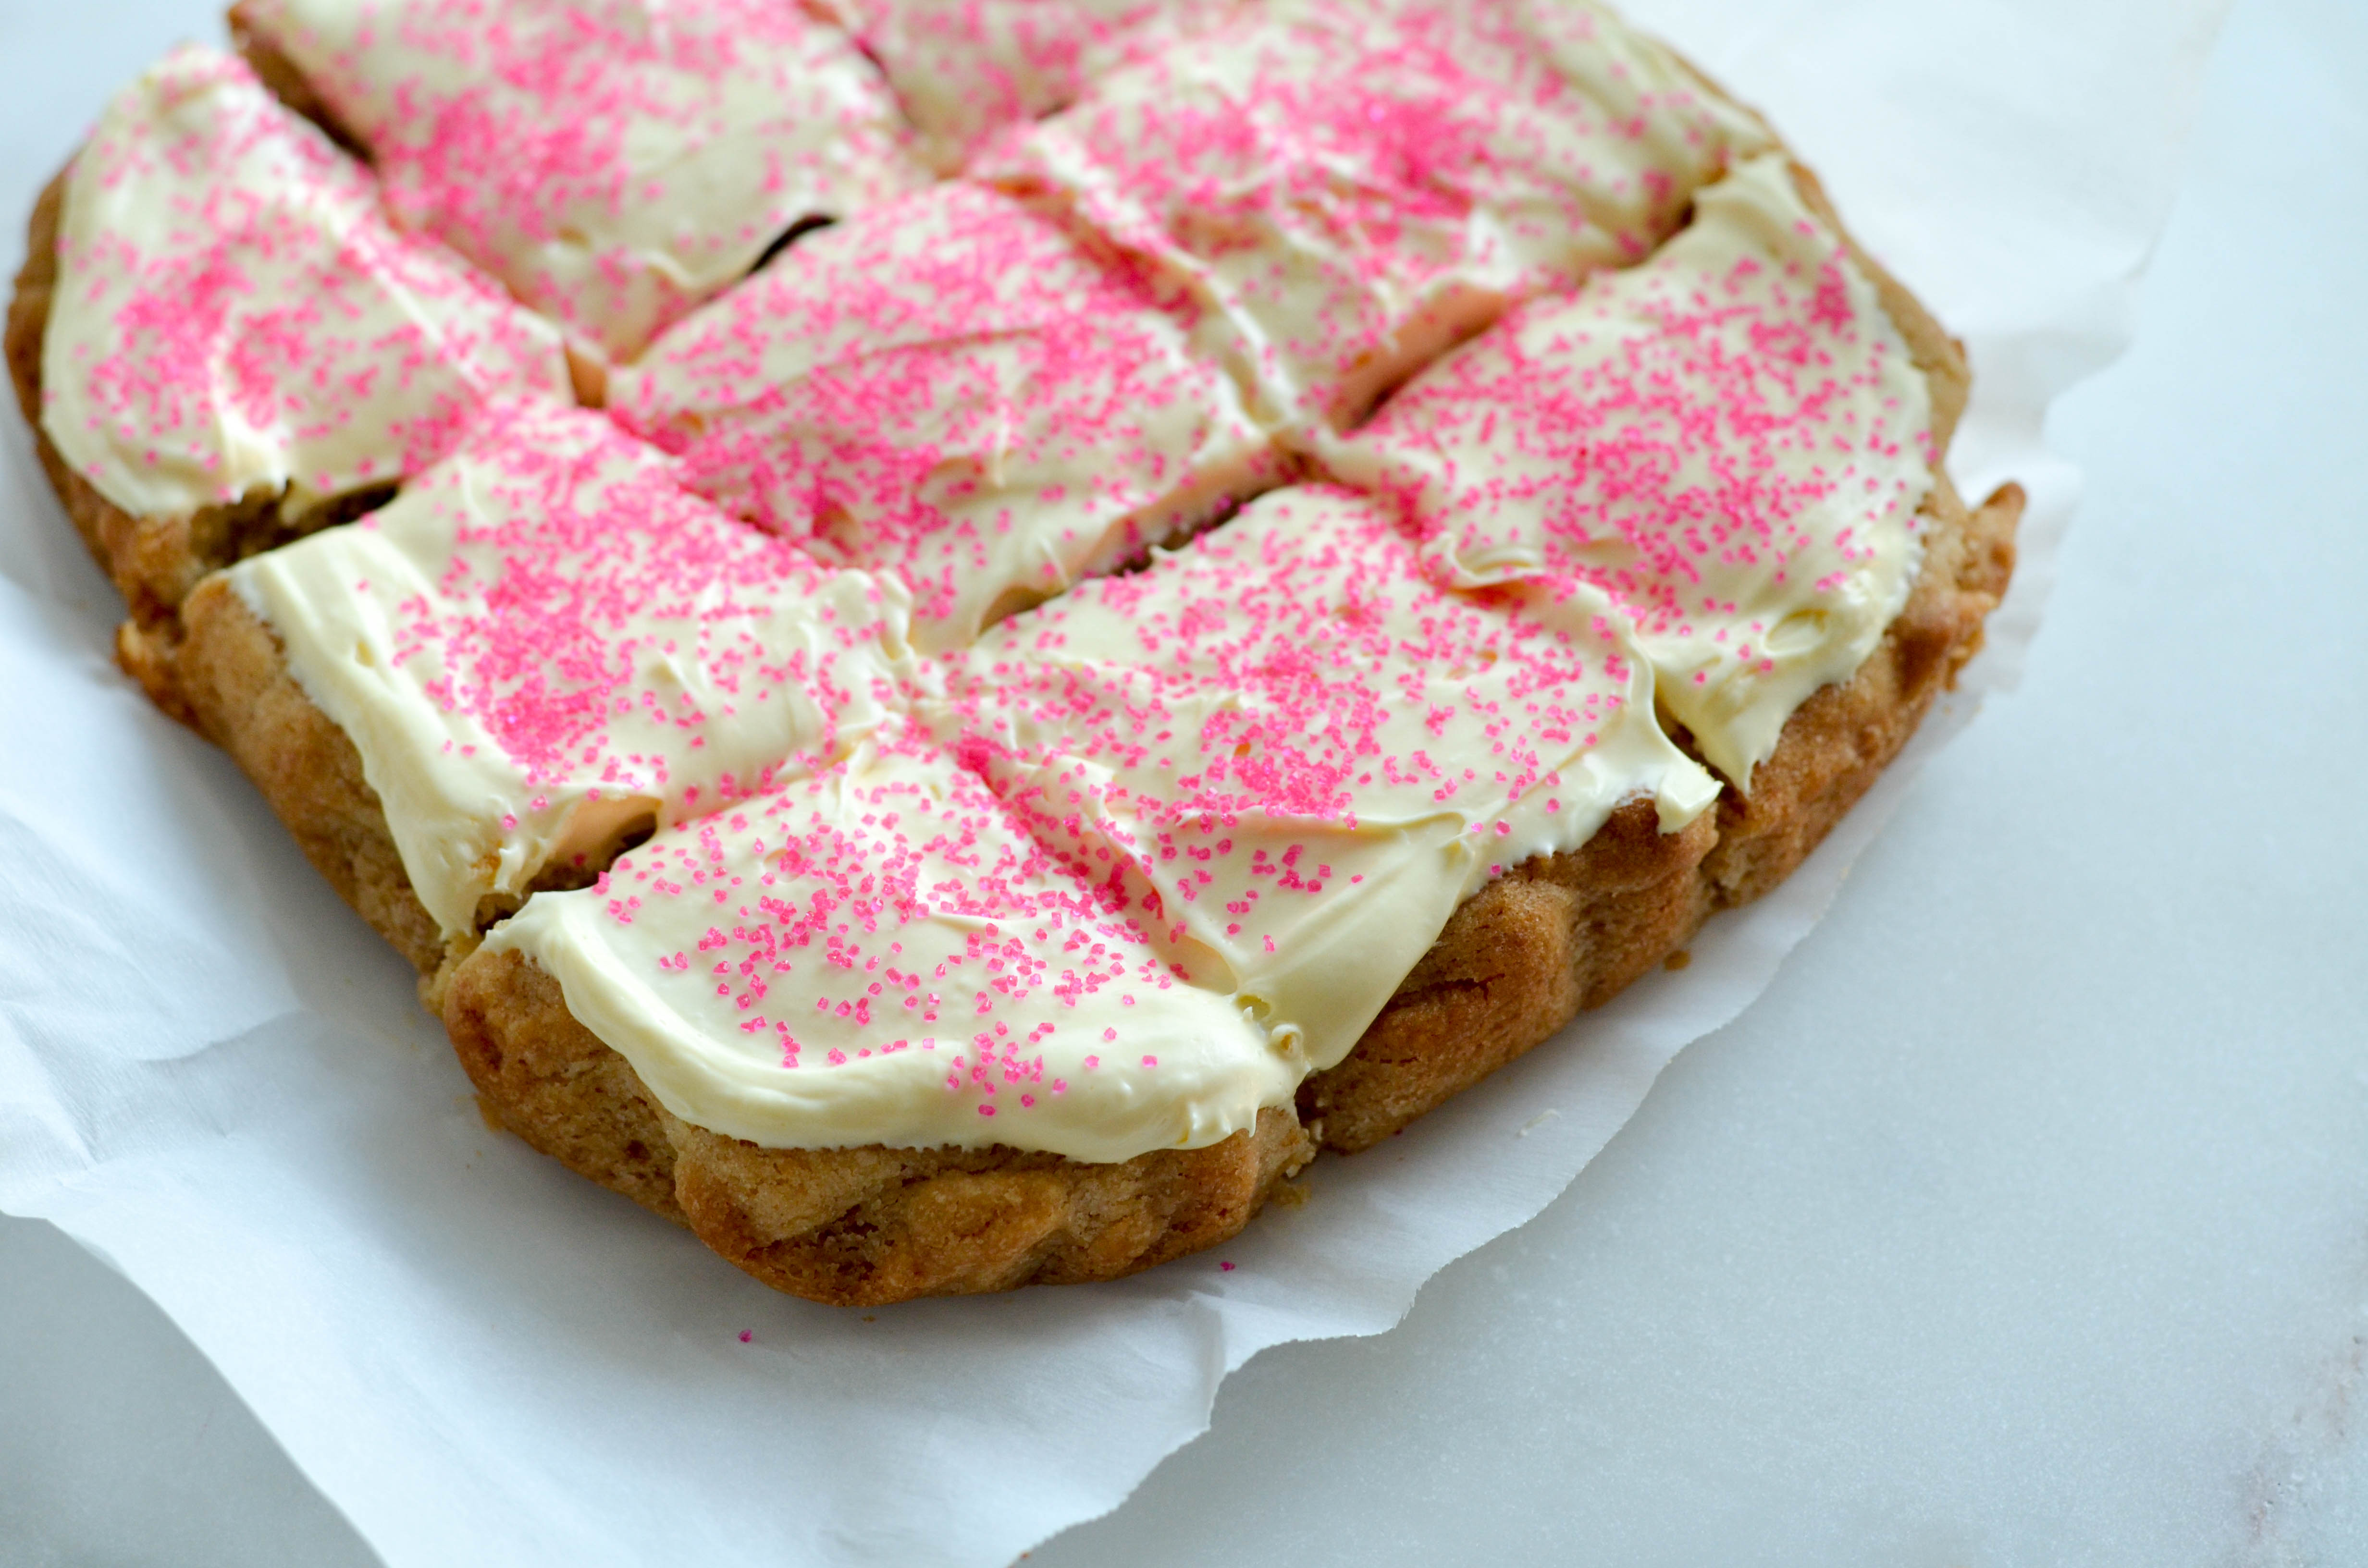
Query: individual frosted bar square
{"points": [[951, 389], [965, 69], [1731, 442], [545, 644], [879, 953], [1356, 183], [236, 321], [615, 161], [1289, 756]]}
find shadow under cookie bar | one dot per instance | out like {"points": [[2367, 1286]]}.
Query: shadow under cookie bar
{"points": [[153, 562]]}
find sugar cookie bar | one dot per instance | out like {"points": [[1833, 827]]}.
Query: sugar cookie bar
{"points": [[222, 344], [613, 164], [900, 821], [543, 649], [953, 387]]}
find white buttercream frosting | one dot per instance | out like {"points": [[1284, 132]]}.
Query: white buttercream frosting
{"points": [[614, 160], [952, 389], [234, 316], [544, 642], [1729, 441]]}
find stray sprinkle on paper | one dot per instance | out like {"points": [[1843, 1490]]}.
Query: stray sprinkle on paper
{"points": [[1537, 1122]]}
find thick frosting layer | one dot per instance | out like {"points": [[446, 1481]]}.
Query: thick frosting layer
{"points": [[1291, 755], [881, 954], [965, 69], [233, 315], [1729, 441], [545, 644], [950, 388], [614, 160], [1358, 184]]}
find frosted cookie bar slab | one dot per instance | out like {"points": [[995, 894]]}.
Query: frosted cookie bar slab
{"points": [[614, 161], [1045, 955]]}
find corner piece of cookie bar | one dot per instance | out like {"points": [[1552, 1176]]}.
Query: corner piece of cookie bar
{"points": [[222, 344], [543, 649], [613, 164]]}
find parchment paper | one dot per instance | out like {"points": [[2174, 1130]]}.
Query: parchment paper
{"points": [[215, 1077]]}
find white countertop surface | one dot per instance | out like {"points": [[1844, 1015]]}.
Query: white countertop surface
{"points": [[2023, 1220]]}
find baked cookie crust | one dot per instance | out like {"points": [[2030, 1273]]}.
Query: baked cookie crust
{"points": [[155, 562]]}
